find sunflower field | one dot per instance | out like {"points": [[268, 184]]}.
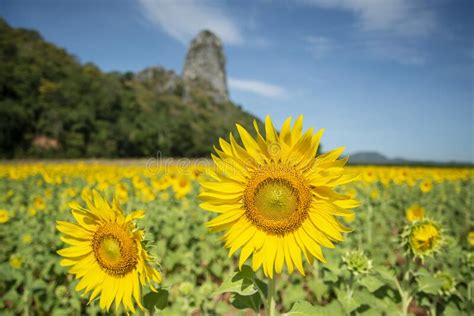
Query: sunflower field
{"points": [[374, 271]]}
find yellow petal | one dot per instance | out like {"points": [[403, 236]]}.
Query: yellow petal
{"points": [[297, 128], [257, 259], [288, 259], [242, 239], [280, 256], [270, 132], [250, 144], [75, 251], [270, 253], [225, 218], [135, 215], [86, 220], [245, 253], [312, 246], [209, 206], [325, 226], [224, 187], [295, 253], [285, 133], [74, 230], [136, 289], [316, 234], [210, 196], [121, 285]]}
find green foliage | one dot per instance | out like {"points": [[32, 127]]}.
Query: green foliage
{"points": [[156, 300], [198, 275], [53, 106]]}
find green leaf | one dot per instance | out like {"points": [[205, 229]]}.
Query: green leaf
{"points": [[451, 310], [253, 301], [429, 284], [157, 299], [293, 293], [329, 276], [319, 288], [303, 308], [333, 266], [371, 282], [242, 282], [348, 300], [386, 274]]}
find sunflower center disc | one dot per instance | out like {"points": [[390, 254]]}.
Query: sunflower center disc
{"points": [[276, 200], [110, 250], [115, 250]]}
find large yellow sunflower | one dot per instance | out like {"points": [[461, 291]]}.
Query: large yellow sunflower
{"points": [[276, 198], [106, 253]]}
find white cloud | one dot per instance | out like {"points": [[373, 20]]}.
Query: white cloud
{"points": [[394, 52], [184, 19], [385, 29], [258, 87], [401, 17], [319, 45]]}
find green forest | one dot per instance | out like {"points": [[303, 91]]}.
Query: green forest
{"points": [[54, 106]]}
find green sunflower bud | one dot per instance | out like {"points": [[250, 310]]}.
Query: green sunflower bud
{"points": [[357, 262]]}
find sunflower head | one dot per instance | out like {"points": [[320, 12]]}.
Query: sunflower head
{"points": [[374, 194], [357, 262], [426, 186], [182, 186], [275, 197], [106, 253], [448, 286], [423, 238], [16, 261], [415, 213], [470, 238], [4, 216]]}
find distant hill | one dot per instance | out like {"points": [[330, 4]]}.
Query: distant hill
{"points": [[375, 158], [51, 105]]}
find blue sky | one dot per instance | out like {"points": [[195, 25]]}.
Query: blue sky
{"points": [[394, 76]]}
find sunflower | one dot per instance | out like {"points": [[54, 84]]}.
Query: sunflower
{"points": [[415, 213], [16, 261], [4, 216], [470, 238], [106, 253], [276, 198], [426, 186], [182, 186], [423, 238]]}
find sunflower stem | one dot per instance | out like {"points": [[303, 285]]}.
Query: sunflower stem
{"points": [[271, 297]]}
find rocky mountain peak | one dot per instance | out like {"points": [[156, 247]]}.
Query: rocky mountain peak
{"points": [[205, 61]]}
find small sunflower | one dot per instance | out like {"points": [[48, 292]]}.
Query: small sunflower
{"points": [[415, 213], [426, 186], [182, 186], [16, 261], [26, 239], [423, 238], [374, 194], [106, 253], [4, 216], [470, 238], [276, 198]]}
